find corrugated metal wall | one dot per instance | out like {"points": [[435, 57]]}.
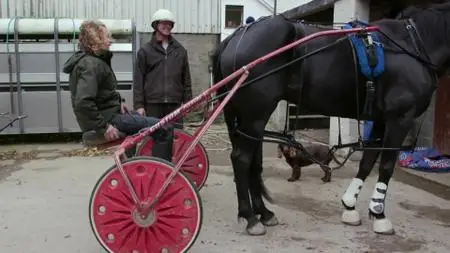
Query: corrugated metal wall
{"points": [[193, 16]]}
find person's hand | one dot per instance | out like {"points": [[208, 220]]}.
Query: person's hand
{"points": [[123, 108], [111, 133], [141, 111]]}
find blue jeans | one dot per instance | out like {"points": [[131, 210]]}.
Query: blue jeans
{"points": [[131, 123]]}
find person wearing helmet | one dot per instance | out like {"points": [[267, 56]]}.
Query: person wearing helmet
{"points": [[162, 79]]}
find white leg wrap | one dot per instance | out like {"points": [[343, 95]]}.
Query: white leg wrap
{"points": [[352, 217], [376, 204], [351, 194]]}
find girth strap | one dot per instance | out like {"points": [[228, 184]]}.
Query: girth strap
{"points": [[368, 54]]}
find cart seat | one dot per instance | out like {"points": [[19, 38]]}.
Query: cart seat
{"points": [[93, 138]]}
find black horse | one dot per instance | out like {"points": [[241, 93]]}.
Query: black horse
{"points": [[330, 83]]}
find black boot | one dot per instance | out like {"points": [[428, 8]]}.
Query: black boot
{"points": [[130, 152], [163, 142]]}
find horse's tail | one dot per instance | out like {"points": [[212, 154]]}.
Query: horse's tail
{"points": [[264, 192], [229, 113], [216, 66]]}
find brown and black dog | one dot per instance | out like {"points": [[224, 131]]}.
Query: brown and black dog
{"points": [[297, 158]]}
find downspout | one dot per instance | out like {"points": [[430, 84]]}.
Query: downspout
{"points": [[275, 3]]}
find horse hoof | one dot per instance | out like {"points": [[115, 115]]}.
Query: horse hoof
{"points": [[273, 221], [291, 179], [351, 217], [257, 229], [383, 227]]}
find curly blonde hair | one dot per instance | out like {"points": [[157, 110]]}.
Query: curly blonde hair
{"points": [[93, 36]]}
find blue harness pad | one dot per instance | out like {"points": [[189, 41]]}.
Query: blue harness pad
{"points": [[361, 53]]}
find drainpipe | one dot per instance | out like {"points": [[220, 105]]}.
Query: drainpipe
{"points": [[275, 7]]}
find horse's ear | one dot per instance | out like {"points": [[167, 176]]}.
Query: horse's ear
{"points": [[399, 16]]}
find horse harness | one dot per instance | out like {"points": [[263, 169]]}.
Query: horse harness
{"points": [[368, 53], [370, 56], [418, 46]]}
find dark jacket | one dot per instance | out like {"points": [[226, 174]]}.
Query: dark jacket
{"points": [[93, 90], [160, 76]]}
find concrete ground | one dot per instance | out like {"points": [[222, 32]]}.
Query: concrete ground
{"points": [[45, 197]]}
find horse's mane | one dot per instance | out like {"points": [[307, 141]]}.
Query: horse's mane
{"points": [[441, 7], [434, 20], [432, 9], [408, 12]]}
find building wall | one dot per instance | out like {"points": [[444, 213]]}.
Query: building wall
{"points": [[257, 9], [193, 16], [197, 26], [284, 5], [251, 8]]}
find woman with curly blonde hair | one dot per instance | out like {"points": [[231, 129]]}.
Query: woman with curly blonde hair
{"points": [[96, 103], [93, 37]]}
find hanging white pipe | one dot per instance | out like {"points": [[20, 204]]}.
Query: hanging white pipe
{"points": [[46, 26]]}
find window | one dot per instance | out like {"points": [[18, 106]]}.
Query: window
{"points": [[233, 15]]}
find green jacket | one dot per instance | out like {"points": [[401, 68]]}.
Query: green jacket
{"points": [[92, 82]]}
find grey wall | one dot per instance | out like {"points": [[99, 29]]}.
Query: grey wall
{"points": [[199, 47]]}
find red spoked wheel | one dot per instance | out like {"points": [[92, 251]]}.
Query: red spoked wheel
{"points": [[171, 227], [196, 167]]}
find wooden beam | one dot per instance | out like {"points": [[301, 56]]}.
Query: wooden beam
{"points": [[308, 8]]}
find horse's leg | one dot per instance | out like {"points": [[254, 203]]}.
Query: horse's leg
{"points": [[351, 216], [396, 132], [241, 159], [267, 218]]}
